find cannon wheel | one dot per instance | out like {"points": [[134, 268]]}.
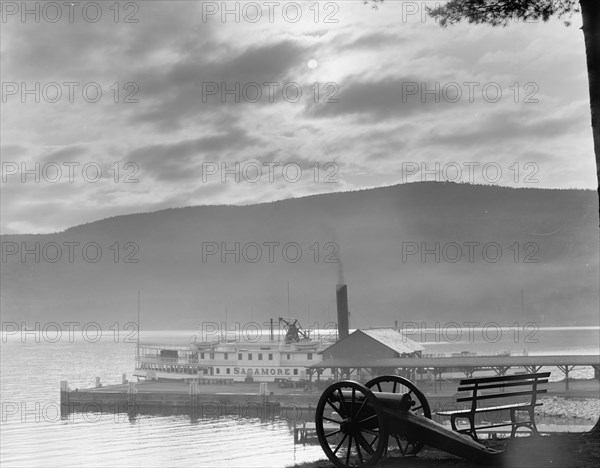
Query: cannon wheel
{"points": [[420, 406], [355, 434]]}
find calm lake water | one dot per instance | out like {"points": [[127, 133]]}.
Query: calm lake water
{"points": [[33, 434]]}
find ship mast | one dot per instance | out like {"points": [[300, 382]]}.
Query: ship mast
{"points": [[138, 316]]}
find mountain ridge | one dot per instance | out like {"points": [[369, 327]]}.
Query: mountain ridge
{"points": [[368, 234]]}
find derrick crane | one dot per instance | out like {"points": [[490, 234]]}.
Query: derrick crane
{"points": [[294, 331]]}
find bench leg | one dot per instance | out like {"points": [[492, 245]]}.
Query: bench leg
{"points": [[515, 424], [534, 428], [528, 424], [471, 431], [453, 422]]}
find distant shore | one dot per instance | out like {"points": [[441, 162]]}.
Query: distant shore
{"points": [[571, 407]]}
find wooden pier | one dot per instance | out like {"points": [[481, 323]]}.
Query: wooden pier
{"points": [[467, 365], [183, 397], [215, 398]]}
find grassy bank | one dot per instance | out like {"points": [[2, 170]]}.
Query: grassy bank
{"points": [[558, 450]]}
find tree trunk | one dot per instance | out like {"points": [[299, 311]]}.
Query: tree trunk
{"points": [[590, 13]]}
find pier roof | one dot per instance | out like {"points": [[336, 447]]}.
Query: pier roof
{"points": [[393, 339], [372, 344]]}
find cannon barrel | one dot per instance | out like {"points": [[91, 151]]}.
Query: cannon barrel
{"points": [[389, 400]]}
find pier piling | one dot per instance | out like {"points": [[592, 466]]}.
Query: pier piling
{"points": [[194, 398], [64, 392], [131, 391]]}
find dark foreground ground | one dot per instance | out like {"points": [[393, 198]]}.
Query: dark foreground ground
{"points": [[557, 450]]}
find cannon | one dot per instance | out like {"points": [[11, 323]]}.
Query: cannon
{"points": [[357, 424]]}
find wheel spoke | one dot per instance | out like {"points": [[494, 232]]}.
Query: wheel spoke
{"points": [[361, 407], [363, 442], [340, 444], [398, 441], [374, 440], [367, 419], [379, 387], [332, 420], [333, 433], [394, 390], [343, 413], [352, 404], [369, 431], [417, 408], [349, 450], [360, 457], [337, 410]]}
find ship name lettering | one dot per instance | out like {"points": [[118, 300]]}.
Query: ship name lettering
{"points": [[261, 371]]}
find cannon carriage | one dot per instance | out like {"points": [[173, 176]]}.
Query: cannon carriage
{"points": [[357, 424]]}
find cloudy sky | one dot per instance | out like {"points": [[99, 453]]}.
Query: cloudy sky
{"points": [[331, 96]]}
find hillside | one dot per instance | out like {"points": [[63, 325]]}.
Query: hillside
{"points": [[180, 289]]}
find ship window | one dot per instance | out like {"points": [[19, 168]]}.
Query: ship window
{"points": [[226, 356], [270, 357], [249, 356], [295, 371], [169, 353], [228, 370], [260, 356], [309, 356], [239, 356], [201, 355]]}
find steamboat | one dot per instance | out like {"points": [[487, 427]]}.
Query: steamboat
{"points": [[232, 360]]}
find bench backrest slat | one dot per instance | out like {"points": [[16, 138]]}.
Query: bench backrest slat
{"points": [[470, 388], [506, 378], [501, 395]]}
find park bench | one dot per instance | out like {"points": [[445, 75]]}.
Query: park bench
{"points": [[357, 424], [492, 388]]}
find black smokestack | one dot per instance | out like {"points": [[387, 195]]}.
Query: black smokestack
{"points": [[340, 266], [341, 293]]}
